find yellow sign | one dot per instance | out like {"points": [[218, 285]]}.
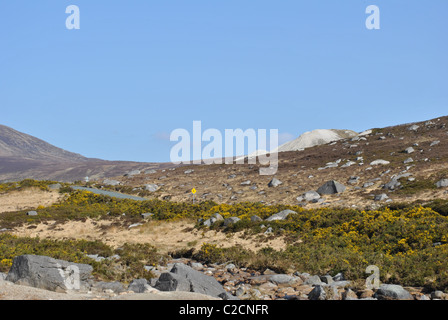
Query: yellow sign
{"points": [[193, 191]]}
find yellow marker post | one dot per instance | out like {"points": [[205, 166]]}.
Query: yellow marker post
{"points": [[193, 191]]}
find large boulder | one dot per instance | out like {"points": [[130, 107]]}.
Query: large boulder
{"points": [[392, 292], [331, 187], [184, 278], [50, 274], [282, 215]]}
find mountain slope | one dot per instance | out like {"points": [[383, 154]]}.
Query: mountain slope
{"points": [[17, 144], [25, 157]]}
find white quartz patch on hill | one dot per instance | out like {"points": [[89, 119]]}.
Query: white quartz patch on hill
{"points": [[316, 137]]}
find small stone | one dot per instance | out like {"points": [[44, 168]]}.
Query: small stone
{"points": [[274, 183]]}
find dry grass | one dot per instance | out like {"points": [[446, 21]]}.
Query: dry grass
{"points": [[166, 236], [27, 199]]}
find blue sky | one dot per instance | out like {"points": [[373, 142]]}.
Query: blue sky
{"points": [[136, 70]]}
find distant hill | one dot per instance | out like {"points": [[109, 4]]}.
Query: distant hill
{"points": [[23, 156], [21, 145]]}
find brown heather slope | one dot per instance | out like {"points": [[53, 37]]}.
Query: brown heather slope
{"points": [[25, 157], [212, 182]]}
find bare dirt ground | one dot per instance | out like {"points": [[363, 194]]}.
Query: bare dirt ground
{"points": [[27, 199], [165, 236]]}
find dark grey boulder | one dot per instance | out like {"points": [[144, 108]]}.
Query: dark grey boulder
{"points": [[331, 187], [392, 292], [255, 219], [50, 274], [184, 278]]}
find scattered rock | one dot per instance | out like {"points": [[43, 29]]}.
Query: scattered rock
{"points": [[31, 213], [318, 293], [151, 187], [434, 143], [381, 197], [110, 182], [115, 287], [183, 278], [442, 183], [255, 219], [281, 279], [139, 286], [439, 295], [282, 215], [379, 162], [230, 221], [309, 196], [274, 183], [392, 292], [331, 187]]}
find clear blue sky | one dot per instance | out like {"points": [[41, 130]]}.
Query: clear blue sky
{"points": [[136, 70]]}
